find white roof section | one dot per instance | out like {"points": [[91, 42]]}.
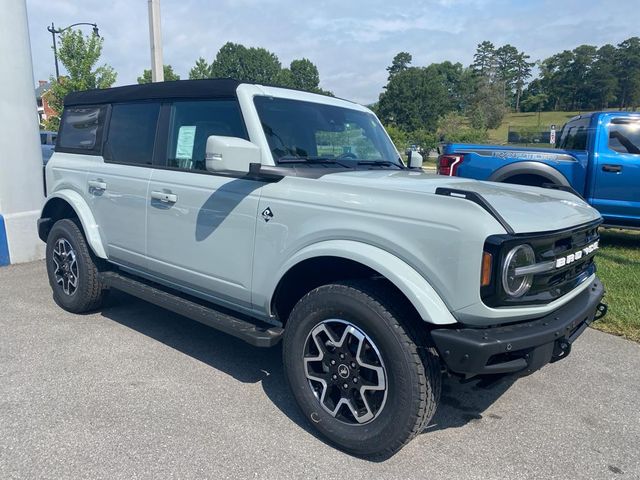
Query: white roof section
{"points": [[277, 92]]}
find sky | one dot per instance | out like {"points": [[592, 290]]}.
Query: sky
{"points": [[350, 41]]}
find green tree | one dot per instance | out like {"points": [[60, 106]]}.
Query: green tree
{"points": [[556, 81], [400, 63], [535, 103], [523, 72], [484, 60], [487, 106], [398, 137], [200, 70], [304, 75], [415, 99], [602, 78], [506, 70], [169, 75], [628, 67], [255, 65], [79, 54]]}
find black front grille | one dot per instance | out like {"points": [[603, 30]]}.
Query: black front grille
{"points": [[547, 286]]}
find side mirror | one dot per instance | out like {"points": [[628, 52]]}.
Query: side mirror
{"points": [[234, 154], [415, 159]]}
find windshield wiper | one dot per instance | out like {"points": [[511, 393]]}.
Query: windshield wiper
{"points": [[312, 160], [382, 163]]}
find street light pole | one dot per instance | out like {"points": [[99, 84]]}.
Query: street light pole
{"points": [[55, 30]]}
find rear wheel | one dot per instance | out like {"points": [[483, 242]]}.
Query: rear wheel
{"points": [[72, 269], [355, 368]]}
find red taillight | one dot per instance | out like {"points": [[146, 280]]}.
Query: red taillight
{"points": [[448, 164]]}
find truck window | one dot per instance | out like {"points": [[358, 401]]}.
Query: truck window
{"points": [[132, 133], [80, 129], [574, 134], [624, 136], [192, 122]]}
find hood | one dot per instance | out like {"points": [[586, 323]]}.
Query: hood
{"points": [[526, 209]]}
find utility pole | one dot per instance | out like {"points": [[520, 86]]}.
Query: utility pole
{"points": [[55, 48], [155, 38]]}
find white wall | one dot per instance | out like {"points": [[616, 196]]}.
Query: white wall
{"points": [[21, 187]]}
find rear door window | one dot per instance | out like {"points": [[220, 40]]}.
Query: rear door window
{"points": [[574, 134], [132, 133]]}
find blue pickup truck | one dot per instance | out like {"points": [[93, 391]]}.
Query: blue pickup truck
{"points": [[597, 156]]}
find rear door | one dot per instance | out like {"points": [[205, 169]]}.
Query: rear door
{"points": [[118, 186], [201, 226], [617, 178]]}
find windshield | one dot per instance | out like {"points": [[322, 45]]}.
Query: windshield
{"points": [[313, 133]]}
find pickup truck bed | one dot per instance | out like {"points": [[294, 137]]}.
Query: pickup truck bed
{"points": [[598, 157]]}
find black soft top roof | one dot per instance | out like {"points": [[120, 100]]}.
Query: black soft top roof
{"points": [[210, 88]]}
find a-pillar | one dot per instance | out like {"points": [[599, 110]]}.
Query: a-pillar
{"points": [[21, 179]]}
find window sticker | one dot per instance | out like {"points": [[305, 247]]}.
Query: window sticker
{"points": [[184, 145]]}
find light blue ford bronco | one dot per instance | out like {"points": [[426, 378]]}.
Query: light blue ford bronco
{"points": [[273, 214]]}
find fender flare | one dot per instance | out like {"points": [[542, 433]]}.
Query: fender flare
{"points": [[414, 286], [529, 168], [89, 225]]}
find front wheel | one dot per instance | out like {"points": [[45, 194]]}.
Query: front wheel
{"points": [[356, 371]]}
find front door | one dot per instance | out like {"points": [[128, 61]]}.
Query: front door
{"points": [[617, 178], [201, 226]]}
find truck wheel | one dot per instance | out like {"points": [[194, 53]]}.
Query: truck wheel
{"points": [[354, 368], [72, 270]]}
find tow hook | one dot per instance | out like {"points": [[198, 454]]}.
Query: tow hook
{"points": [[561, 349], [601, 311]]}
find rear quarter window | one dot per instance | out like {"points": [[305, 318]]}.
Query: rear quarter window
{"points": [[81, 130]]}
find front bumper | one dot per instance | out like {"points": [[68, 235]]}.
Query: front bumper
{"points": [[520, 347]]}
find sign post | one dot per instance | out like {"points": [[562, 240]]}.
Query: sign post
{"points": [[552, 135]]}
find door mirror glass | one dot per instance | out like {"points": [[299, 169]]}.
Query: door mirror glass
{"points": [[230, 154], [415, 159]]}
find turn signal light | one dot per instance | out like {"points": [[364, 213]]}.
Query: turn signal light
{"points": [[487, 261]]}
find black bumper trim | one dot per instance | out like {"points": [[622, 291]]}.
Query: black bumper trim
{"points": [[520, 347]]}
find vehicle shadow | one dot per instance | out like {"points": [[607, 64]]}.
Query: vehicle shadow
{"points": [[461, 403]]}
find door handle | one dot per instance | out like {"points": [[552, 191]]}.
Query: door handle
{"points": [[612, 168], [164, 197], [97, 185]]}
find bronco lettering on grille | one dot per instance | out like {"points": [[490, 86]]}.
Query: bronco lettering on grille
{"points": [[566, 260]]}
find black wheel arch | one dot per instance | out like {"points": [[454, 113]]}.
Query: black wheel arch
{"points": [[55, 209]]}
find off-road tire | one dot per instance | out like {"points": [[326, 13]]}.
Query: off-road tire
{"points": [[90, 291], [413, 369]]}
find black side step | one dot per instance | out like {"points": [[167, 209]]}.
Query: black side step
{"points": [[251, 333]]}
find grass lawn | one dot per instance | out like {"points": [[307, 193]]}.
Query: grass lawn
{"points": [[529, 119], [618, 263]]}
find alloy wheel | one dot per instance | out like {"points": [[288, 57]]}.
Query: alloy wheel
{"points": [[66, 266], [345, 371]]}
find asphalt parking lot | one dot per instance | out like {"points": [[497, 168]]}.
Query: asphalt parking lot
{"points": [[137, 392]]}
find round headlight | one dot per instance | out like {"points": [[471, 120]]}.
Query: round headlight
{"points": [[517, 284]]}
